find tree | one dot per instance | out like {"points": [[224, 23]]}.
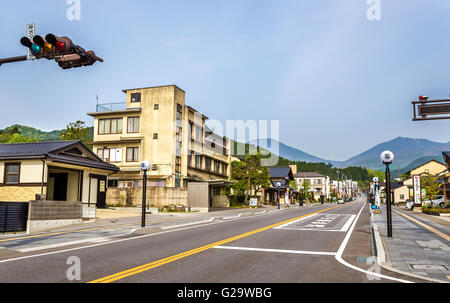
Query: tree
{"points": [[18, 138], [250, 175], [76, 131], [432, 187]]}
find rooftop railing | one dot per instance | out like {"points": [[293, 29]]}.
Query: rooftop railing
{"points": [[109, 107]]}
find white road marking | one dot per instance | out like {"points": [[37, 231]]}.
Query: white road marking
{"points": [[296, 221], [129, 239], [62, 244], [344, 245], [349, 222], [298, 252]]}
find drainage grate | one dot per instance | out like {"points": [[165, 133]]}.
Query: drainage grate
{"points": [[428, 267]]}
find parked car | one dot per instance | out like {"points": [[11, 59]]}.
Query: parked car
{"points": [[410, 205], [439, 202], [341, 201]]}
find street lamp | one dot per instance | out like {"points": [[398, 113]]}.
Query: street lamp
{"points": [[145, 167], [387, 158]]}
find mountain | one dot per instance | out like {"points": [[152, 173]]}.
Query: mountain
{"points": [[409, 153], [287, 151], [406, 151]]}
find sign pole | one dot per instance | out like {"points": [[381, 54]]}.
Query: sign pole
{"points": [[144, 198]]}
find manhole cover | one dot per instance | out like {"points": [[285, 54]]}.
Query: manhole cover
{"points": [[429, 267]]}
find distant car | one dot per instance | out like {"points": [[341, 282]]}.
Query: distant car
{"points": [[341, 201], [439, 202], [410, 205]]}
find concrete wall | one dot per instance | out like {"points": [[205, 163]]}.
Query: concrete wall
{"points": [[49, 215], [156, 196]]}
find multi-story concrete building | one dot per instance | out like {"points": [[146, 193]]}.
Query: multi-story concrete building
{"points": [[319, 184], [156, 125]]}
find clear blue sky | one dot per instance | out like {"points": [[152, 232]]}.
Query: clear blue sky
{"points": [[337, 82]]}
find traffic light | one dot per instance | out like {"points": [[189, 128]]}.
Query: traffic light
{"points": [[61, 44], [34, 48], [43, 44], [61, 49]]}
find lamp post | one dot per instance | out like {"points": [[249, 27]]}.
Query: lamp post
{"points": [[145, 167], [387, 158]]}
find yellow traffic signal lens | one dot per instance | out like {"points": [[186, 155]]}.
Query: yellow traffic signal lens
{"points": [[48, 47]]}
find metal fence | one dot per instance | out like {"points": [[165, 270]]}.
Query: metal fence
{"points": [[13, 216]]}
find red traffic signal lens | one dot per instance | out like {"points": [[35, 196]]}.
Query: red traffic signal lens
{"points": [[60, 46]]}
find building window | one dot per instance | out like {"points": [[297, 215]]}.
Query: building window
{"points": [[198, 134], [217, 167], [402, 197], [178, 165], [208, 164], [12, 173], [136, 97], [224, 169], [132, 154], [133, 124], [110, 154], [155, 136], [189, 160], [155, 167], [198, 162], [110, 126], [177, 180], [156, 107], [217, 191]]}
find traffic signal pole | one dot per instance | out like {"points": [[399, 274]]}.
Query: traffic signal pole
{"points": [[13, 59]]}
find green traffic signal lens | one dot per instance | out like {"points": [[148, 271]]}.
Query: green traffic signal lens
{"points": [[35, 48]]}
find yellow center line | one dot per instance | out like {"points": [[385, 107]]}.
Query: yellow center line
{"points": [[437, 232], [139, 269]]}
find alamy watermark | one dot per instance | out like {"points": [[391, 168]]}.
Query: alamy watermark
{"points": [[73, 273], [374, 10], [234, 137], [74, 10], [374, 269]]}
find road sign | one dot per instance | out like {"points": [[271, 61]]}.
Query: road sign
{"points": [[417, 191], [253, 202], [30, 32], [438, 109]]}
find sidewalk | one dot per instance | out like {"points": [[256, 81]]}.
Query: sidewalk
{"points": [[413, 249]]}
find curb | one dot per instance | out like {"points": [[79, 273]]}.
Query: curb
{"points": [[381, 256]]}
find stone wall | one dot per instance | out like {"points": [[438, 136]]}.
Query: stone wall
{"points": [[156, 196], [48, 215], [19, 193]]}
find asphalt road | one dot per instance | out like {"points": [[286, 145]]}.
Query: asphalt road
{"points": [[326, 243]]}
